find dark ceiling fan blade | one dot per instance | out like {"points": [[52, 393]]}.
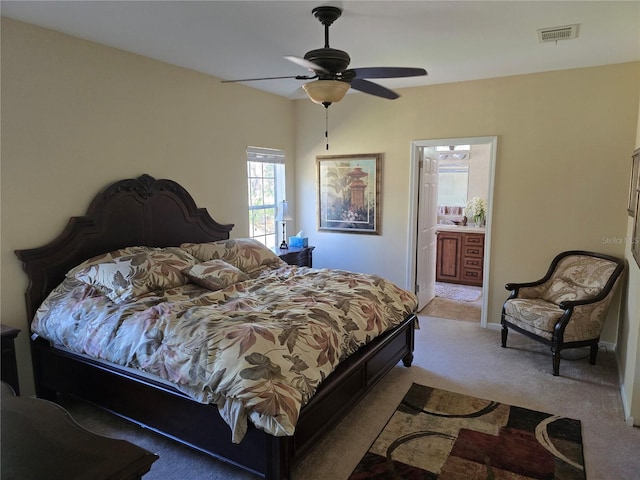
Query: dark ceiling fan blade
{"points": [[303, 62], [297, 77], [373, 89], [388, 72]]}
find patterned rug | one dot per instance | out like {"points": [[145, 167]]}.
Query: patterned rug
{"points": [[435, 434], [460, 294]]}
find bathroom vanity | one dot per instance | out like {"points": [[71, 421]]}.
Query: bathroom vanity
{"points": [[460, 254]]}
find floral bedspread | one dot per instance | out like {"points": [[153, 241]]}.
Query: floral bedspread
{"points": [[258, 349]]}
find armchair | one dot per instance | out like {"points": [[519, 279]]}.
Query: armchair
{"points": [[568, 306]]}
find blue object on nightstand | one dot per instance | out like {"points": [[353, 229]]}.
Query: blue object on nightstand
{"points": [[299, 242]]}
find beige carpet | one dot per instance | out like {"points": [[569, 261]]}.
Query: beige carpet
{"points": [[456, 356]]}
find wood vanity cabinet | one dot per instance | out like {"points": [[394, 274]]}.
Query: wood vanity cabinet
{"points": [[460, 257]]}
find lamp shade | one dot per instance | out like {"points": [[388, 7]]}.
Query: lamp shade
{"points": [[283, 215], [326, 91]]}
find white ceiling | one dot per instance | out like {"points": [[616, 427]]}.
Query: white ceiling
{"points": [[452, 40]]}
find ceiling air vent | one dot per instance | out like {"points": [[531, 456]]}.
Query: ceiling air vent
{"points": [[554, 34]]}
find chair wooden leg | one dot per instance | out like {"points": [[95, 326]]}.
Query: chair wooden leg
{"points": [[505, 332], [556, 363], [593, 353]]}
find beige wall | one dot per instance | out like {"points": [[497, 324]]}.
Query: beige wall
{"points": [[77, 116]]}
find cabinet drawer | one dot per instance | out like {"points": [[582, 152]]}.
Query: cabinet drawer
{"points": [[472, 275], [473, 251], [474, 239], [299, 259], [472, 262]]}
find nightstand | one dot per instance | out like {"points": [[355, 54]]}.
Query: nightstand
{"points": [[299, 256], [9, 365]]}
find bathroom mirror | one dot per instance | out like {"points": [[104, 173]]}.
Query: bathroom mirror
{"points": [[453, 183]]}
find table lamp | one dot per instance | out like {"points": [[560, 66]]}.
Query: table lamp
{"points": [[283, 216]]}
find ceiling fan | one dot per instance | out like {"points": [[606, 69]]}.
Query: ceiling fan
{"points": [[331, 75]]}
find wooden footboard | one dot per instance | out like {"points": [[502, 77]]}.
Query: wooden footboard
{"points": [[170, 413]]}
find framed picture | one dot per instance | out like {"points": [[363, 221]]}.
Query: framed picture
{"points": [[635, 240], [349, 193], [634, 183]]}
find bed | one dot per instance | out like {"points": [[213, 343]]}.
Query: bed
{"points": [[160, 214]]}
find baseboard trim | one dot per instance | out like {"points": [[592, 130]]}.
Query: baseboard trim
{"points": [[626, 408], [611, 347]]}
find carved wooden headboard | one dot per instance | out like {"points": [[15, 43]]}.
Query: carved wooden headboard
{"points": [[131, 212]]}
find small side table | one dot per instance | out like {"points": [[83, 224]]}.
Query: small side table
{"points": [[9, 364], [299, 256]]}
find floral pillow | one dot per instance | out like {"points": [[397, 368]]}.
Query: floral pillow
{"points": [[245, 254], [215, 274], [130, 272]]}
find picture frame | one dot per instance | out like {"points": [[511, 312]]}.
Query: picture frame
{"points": [[634, 183], [635, 239], [349, 193]]}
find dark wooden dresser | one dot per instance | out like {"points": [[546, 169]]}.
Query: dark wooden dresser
{"points": [[300, 256], [40, 440]]}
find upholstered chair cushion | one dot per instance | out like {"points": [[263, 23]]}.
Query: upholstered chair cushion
{"points": [[533, 315], [578, 278], [587, 320]]}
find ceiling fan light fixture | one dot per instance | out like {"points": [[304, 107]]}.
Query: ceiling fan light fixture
{"points": [[326, 92]]}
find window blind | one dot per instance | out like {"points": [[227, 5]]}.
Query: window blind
{"points": [[265, 155]]}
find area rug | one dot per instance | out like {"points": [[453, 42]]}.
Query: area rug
{"points": [[435, 434], [460, 294]]}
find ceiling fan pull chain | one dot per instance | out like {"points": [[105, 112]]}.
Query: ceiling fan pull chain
{"points": [[326, 125]]}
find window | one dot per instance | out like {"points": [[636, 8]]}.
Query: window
{"points": [[265, 172]]}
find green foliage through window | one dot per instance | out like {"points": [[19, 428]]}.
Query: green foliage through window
{"points": [[266, 182]]}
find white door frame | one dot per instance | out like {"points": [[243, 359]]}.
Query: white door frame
{"points": [[413, 209]]}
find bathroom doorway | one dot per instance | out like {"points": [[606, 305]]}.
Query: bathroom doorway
{"points": [[430, 220]]}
